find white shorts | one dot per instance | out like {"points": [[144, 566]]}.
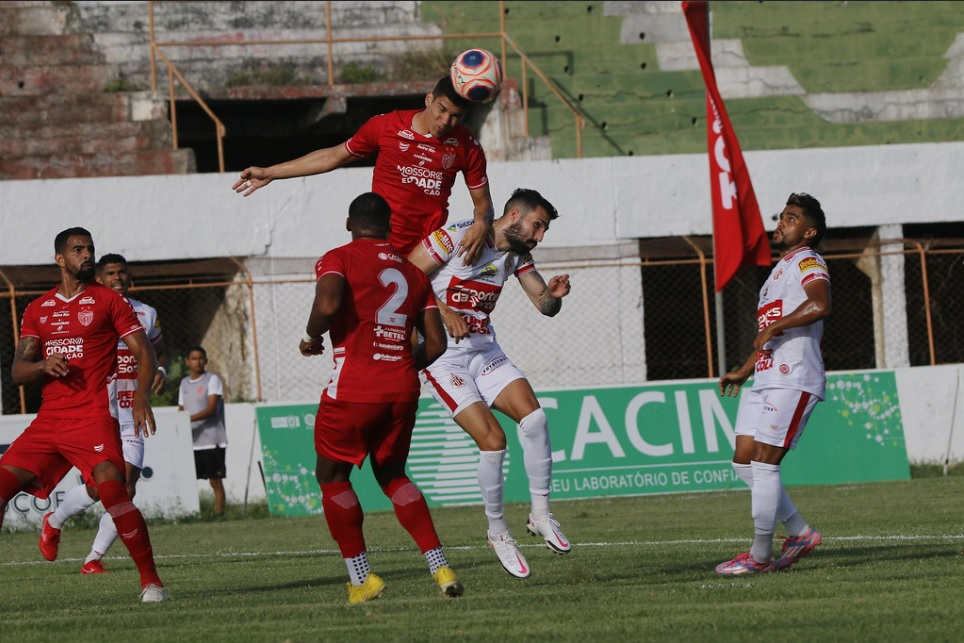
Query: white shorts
{"points": [[459, 378], [775, 416], [133, 446]]}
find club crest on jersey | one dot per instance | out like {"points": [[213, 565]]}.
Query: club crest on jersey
{"points": [[457, 381], [85, 317], [448, 160]]}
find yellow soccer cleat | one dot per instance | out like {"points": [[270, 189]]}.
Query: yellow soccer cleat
{"points": [[448, 582], [371, 589]]}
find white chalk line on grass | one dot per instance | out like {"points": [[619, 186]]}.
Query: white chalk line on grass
{"points": [[626, 543]]}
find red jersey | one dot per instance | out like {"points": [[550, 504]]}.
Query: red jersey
{"points": [[371, 333], [85, 328], [415, 172]]}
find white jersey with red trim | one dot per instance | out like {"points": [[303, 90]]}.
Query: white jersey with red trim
{"points": [[792, 359], [127, 365], [471, 291]]}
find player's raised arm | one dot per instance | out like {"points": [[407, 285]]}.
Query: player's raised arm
{"points": [[547, 298], [317, 162], [475, 237]]}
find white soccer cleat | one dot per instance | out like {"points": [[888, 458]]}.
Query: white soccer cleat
{"points": [[153, 594], [512, 560], [548, 529]]}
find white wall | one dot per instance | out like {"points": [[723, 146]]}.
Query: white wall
{"points": [[601, 202]]}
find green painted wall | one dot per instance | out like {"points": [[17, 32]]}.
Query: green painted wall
{"points": [[633, 107]]}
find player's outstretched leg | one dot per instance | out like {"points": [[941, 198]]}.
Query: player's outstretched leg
{"points": [[537, 456], [343, 514], [413, 515], [76, 501], [132, 529], [106, 535]]}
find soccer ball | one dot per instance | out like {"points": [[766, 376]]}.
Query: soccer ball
{"points": [[476, 75]]}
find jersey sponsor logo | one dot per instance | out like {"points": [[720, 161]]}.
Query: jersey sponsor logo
{"points": [[87, 300], [490, 271], [48, 303], [125, 399], [404, 133], [452, 142], [764, 360], [770, 313], [444, 241], [378, 357], [494, 364], [429, 181], [85, 317], [424, 159], [390, 256], [388, 347], [390, 334], [475, 295], [126, 365], [426, 148], [448, 160], [809, 264]]}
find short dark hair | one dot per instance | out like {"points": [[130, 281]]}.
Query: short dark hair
{"points": [[60, 241], [109, 258], [371, 212], [529, 200], [444, 87], [814, 213], [198, 348]]}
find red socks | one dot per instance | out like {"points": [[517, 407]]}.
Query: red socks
{"points": [[412, 512], [131, 528], [9, 487], [344, 516]]}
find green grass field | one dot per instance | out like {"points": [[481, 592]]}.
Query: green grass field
{"points": [[891, 569]]}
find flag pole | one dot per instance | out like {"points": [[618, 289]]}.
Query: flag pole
{"points": [[720, 335]]}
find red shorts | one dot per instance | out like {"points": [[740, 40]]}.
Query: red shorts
{"points": [[349, 431], [49, 447]]}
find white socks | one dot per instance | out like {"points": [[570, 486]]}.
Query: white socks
{"points": [[492, 485], [537, 456], [786, 511], [106, 535], [358, 568], [766, 491], [76, 501]]}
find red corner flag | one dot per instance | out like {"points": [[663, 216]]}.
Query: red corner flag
{"points": [[738, 235]]}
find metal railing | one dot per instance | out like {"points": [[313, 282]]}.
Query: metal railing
{"points": [[329, 41], [675, 337]]}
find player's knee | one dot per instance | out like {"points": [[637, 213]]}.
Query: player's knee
{"points": [[402, 491], [535, 423], [492, 441]]}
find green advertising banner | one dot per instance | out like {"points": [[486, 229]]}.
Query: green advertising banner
{"points": [[613, 441]]}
